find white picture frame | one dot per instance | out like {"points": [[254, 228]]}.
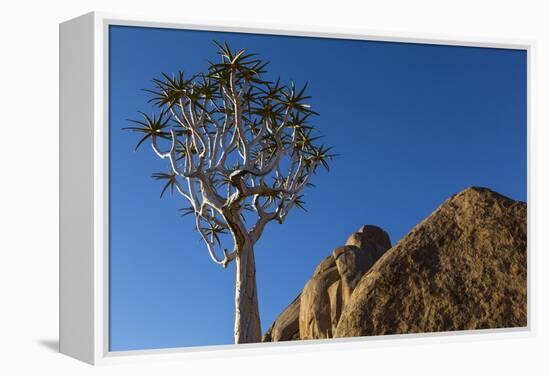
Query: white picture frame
{"points": [[84, 201]]}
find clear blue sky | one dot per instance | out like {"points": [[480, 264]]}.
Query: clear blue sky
{"points": [[413, 124]]}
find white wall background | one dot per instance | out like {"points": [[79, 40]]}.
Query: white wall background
{"points": [[29, 184]]}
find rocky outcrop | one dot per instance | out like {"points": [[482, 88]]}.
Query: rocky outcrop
{"points": [[315, 313], [334, 279], [285, 326], [463, 267], [315, 316]]}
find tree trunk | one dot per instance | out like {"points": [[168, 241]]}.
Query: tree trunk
{"points": [[247, 316]]}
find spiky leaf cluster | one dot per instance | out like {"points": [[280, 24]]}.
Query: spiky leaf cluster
{"points": [[235, 142]]}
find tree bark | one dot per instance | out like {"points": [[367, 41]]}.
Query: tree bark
{"points": [[247, 316]]}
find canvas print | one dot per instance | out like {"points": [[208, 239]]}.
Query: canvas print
{"points": [[268, 188]]}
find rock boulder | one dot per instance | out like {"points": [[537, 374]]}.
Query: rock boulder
{"points": [[462, 268]]}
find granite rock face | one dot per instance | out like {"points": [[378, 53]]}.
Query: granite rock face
{"points": [[463, 267], [315, 313], [315, 316], [372, 239], [286, 325]]}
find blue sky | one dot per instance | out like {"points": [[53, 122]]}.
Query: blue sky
{"points": [[413, 124]]}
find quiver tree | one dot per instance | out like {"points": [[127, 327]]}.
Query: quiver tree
{"points": [[240, 151]]}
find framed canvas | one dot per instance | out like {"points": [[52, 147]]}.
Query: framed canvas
{"points": [[242, 189]]}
